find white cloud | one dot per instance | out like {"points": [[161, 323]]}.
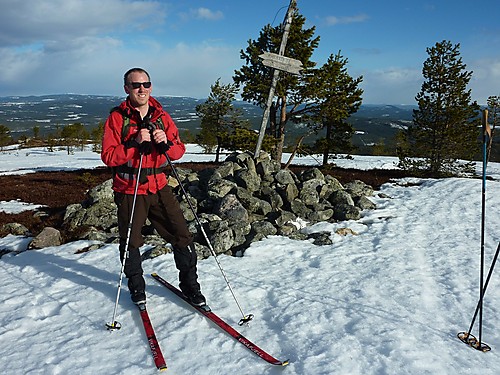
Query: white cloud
{"points": [[54, 46], [194, 68], [16, 66], [201, 14], [57, 66], [29, 21], [92, 65], [485, 79], [394, 85], [333, 20], [207, 14], [400, 85], [399, 75]]}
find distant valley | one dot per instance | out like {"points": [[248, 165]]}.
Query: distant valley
{"points": [[373, 123]]}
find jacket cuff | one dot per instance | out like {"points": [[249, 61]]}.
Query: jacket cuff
{"points": [[131, 143]]}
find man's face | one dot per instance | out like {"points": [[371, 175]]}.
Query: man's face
{"points": [[139, 96]]}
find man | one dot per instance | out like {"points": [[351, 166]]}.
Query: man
{"points": [[137, 134]]}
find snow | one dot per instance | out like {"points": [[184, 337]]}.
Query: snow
{"points": [[389, 299], [15, 206], [15, 161]]}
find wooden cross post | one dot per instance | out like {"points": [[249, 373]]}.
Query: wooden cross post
{"points": [[265, 116]]}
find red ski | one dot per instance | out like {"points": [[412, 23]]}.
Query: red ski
{"points": [[153, 342], [223, 325]]}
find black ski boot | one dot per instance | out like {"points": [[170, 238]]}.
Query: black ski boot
{"points": [[138, 297], [137, 287], [196, 298]]}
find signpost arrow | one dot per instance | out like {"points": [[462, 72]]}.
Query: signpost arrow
{"points": [[280, 62]]}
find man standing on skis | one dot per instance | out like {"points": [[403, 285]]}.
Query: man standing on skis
{"points": [[137, 134]]}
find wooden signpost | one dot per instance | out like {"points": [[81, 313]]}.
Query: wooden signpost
{"points": [[278, 62]]}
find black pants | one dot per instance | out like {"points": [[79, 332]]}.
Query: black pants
{"points": [[163, 211]]}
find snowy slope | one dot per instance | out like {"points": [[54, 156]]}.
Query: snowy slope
{"points": [[389, 299]]}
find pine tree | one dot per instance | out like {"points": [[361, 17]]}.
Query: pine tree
{"points": [[5, 137], [493, 103], [74, 135], [218, 116], [36, 131], [96, 135], [336, 96], [445, 126]]}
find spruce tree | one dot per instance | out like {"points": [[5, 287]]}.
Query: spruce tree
{"points": [[445, 127]]}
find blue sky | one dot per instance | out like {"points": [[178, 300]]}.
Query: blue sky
{"points": [[85, 46]]}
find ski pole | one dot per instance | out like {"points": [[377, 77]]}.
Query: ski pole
{"points": [[482, 284], [245, 318], [114, 324], [486, 136]]}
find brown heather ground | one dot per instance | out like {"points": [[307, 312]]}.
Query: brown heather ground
{"points": [[56, 190]]}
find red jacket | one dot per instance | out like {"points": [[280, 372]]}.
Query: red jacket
{"points": [[115, 153]]}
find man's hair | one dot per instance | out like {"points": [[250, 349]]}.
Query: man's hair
{"points": [[140, 70]]}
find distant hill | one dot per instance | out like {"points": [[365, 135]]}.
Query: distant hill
{"points": [[373, 123]]}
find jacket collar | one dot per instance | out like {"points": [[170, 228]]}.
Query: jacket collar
{"points": [[155, 109]]}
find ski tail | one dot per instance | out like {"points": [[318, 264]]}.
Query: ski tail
{"points": [[154, 345]]}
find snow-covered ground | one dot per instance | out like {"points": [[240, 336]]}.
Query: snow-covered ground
{"points": [[18, 161], [389, 299]]}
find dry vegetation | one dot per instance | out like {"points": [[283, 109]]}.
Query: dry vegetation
{"points": [[56, 190]]}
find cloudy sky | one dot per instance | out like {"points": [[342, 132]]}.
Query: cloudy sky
{"points": [[85, 46]]}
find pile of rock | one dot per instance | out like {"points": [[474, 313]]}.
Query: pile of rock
{"points": [[241, 201]]}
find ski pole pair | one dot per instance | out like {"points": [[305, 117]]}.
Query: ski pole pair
{"points": [[467, 337], [116, 325]]}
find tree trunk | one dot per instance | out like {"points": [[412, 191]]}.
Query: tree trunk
{"points": [[281, 131], [272, 128], [218, 149], [297, 146], [326, 152]]}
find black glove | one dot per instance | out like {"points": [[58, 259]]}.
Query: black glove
{"points": [[145, 148], [131, 143], [163, 147]]}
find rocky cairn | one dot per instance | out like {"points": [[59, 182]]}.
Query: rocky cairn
{"points": [[240, 202]]}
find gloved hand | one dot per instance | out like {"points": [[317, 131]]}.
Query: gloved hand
{"points": [[145, 148], [163, 147], [144, 141]]}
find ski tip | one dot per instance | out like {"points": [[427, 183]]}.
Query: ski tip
{"points": [[280, 363], [163, 368], [154, 274]]}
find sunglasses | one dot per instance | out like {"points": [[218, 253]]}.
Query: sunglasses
{"points": [[136, 85]]}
